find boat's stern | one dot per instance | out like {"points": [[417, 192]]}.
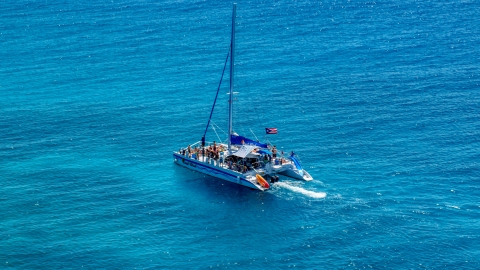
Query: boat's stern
{"points": [[307, 176]]}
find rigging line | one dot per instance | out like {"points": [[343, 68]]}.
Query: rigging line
{"points": [[254, 135], [216, 133], [215, 101], [218, 127], [213, 123]]}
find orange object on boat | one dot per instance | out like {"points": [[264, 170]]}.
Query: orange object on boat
{"points": [[262, 181]]}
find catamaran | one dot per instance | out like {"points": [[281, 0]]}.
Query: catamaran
{"points": [[240, 160]]}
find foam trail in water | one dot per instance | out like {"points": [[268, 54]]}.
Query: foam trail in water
{"points": [[308, 193]]}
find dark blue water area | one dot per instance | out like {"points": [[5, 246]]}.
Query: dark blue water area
{"points": [[380, 100]]}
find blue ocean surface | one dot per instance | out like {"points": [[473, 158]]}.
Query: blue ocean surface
{"points": [[381, 100]]}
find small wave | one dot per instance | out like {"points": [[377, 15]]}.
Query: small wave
{"points": [[317, 195]]}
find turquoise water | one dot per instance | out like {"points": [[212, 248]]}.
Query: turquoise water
{"points": [[379, 99]]}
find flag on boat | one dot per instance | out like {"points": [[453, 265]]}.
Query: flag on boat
{"points": [[271, 130]]}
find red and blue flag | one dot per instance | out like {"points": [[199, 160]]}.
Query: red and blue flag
{"points": [[271, 130]]}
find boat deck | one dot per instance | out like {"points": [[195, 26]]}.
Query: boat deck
{"points": [[216, 163]]}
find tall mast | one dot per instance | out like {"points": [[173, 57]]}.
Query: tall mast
{"points": [[230, 101]]}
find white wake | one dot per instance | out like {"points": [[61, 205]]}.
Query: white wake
{"points": [[316, 195]]}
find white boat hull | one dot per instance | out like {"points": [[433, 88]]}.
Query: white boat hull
{"points": [[215, 171], [293, 173]]}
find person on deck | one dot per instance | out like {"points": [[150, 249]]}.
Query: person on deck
{"points": [[221, 159], [215, 155]]}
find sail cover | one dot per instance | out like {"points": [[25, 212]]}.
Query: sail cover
{"points": [[266, 152], [244, 150], [234, 139]]}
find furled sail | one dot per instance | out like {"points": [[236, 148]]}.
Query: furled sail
{"points": [[240, 140]]}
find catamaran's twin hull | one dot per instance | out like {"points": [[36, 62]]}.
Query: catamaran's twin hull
{"points": [[295, 174], [214, 171]]}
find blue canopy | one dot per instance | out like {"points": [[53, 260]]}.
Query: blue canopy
{"points": [[264, 151], [234, 139]]}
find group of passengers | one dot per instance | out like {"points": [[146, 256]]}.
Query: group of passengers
{"points": [[235, 163], [212, 152], [215, 152], [281, 160], [273, 156]]}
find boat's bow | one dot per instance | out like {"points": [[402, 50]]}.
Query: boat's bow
{"points": [[292, 168]]}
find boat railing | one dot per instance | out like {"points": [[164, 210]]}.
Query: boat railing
{"points": [[199, 143]]}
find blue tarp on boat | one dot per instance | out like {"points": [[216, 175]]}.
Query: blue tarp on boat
{"points": [[264, 151], [234, 139]]}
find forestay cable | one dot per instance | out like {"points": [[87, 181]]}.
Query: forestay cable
{"points": [[215, 101]]}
